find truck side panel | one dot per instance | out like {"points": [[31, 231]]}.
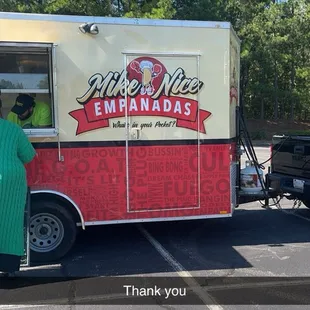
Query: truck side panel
{"points": [[291, 156], [290, 169]]}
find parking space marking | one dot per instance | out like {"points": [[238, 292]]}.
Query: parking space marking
{"points": [[181, 271], [297, 215], [291, 212], [52, 266], [3, 307]]}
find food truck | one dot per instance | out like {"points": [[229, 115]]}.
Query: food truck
{"points": [[144, 124]]}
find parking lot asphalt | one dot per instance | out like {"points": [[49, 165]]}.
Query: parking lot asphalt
{"points": [[253, 247]]}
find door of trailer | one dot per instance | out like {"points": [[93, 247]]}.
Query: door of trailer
{"points": [[162, 134]]}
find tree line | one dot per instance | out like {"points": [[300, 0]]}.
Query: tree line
{"points": [[275, 34]]}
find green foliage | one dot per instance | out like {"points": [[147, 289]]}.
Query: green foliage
{"points": [[161, 9], [275, 54]]}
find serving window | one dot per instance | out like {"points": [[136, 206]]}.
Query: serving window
{"points": [[27, 69]]}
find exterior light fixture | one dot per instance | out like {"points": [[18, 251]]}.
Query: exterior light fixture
{"points": [[89, 28]]}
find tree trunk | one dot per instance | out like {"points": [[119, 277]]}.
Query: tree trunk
{"points": [[292, 82], [244, 79], [262, 109], [292, 91], [276, 100], [119, 7]]}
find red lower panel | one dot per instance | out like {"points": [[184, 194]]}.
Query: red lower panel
{"points": [[163, 180]]}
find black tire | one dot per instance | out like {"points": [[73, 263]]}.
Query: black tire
{"points": [[58, 224]]}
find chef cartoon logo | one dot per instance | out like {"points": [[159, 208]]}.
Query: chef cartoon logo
{"points": [[148, 71], [145, 88]]}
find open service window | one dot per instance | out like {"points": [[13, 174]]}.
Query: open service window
{"points": [[27, 87]]}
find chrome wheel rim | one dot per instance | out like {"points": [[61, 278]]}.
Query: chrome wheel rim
{"points": [[46, 232]]}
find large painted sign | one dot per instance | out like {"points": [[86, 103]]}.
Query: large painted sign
{"points": [[146, 89]]}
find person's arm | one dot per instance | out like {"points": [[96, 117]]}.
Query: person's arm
{"points": [[11, 117], [25, 150], [45, 119]]}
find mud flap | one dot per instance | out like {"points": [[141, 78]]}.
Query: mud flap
{"points": [[25, 260]]}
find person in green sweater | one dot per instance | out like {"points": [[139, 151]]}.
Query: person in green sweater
{"points": [[0, 106], [15, 151]]}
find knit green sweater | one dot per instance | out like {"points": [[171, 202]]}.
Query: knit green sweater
{"points": [[15, 151]]}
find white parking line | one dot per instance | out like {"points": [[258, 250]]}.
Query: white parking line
{"points": [[55, 266], [181, 271], [291, 212], [8, 307], [297, 215]]}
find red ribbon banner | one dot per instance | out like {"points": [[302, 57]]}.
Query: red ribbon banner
{"points": [[96, 113]]}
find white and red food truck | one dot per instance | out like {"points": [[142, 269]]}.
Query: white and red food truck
{"points": [[144, 120]]}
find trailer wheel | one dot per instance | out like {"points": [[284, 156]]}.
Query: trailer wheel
{"points": [[52, 231]]}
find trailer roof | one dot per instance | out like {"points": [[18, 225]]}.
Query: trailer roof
{"points": [[116, 20]]}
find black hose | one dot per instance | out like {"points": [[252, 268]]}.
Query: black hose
{"points": [[249, 148], [274, 203], [250, 152]]}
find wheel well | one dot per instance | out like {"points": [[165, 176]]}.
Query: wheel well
{"points": [[61, 200]]}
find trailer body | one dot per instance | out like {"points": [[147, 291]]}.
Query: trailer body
{"points": [[144, 115]]}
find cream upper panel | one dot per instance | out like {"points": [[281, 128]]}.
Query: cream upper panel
{"points": [[80, 56]]}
